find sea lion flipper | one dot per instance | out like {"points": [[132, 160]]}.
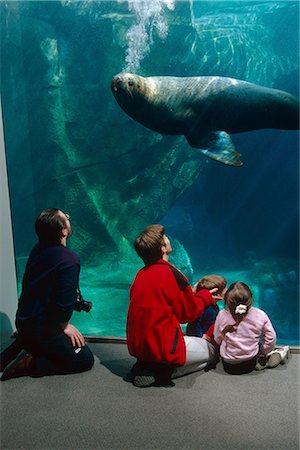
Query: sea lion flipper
{"points": [[219, 146], [231, 158]]}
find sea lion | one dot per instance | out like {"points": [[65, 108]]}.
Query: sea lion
{"points": [[205, 109]]}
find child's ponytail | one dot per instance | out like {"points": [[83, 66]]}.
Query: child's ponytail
{"points": [[238, 299]]}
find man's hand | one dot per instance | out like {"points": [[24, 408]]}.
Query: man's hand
{"points": [[217, 297], [76, 337]]}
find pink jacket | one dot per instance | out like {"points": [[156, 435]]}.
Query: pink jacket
{"points": [[243, 344]]}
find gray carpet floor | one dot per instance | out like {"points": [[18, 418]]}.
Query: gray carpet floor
{"points": [[99, 410]]}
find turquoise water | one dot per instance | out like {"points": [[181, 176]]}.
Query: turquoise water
{"points": [[69, 145]]}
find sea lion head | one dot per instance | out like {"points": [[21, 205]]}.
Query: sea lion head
{"points": [[130, 90]]}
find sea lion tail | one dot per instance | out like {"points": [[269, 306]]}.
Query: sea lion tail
{"points": [[221, 148]]}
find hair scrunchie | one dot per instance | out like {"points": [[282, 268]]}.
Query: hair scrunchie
{"points": [[240, 309]]}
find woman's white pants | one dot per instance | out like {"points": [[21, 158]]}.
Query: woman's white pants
{"points": [[199, 353]]}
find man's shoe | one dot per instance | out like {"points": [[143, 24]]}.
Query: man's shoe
{"points": [[19, 368], [10, 353], [165, 383], [144, 380], [151, 380], [145, 374], [141, 375]]}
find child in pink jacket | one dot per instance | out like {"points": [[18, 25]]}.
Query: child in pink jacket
{"points": [[238, 329]]}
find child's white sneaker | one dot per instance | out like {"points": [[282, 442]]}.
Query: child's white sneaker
{"points": [[273, 359], [268, 361], [284, 353]]}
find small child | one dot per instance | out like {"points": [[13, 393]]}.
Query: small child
{"points": [[200, 326], [238, 329]]}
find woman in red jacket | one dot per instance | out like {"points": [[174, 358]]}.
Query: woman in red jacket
{"points": [[160, 300]]}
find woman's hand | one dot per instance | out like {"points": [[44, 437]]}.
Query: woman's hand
{"points": [[76, 337]]}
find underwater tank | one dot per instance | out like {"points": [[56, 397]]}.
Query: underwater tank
{"points": [[69, 145]]}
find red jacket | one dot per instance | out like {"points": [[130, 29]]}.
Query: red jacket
{"points": [[161, 299]]}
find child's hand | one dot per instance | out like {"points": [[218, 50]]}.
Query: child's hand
{"points": [[216, 296]]}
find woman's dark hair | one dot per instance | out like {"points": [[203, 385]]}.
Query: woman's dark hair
{"points": [[148, 244], [49, 225], [238, 299]]}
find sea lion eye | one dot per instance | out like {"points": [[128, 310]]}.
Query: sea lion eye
{"points": [[130, 83]]}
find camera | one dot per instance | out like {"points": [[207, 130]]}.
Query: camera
{"points": [[81, 304]]}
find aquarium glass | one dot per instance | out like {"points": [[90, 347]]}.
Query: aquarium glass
{"points": [[69, 145]]}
